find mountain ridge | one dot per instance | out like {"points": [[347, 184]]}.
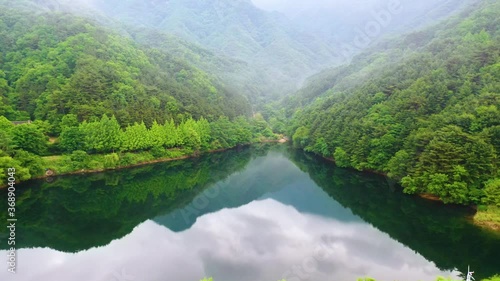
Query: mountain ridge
{"points": [[273, 53], [422, 108]]}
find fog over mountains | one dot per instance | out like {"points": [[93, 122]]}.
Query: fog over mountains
{"points": [[339, 20], [264, 49]]}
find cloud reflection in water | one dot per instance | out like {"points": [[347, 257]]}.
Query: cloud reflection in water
{"points": [[262, 240]]}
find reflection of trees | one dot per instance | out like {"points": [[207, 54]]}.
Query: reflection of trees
{"points": [[440, 233], [78, 212], [242, 188]]}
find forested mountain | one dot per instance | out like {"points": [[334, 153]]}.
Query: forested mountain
{"points": [[263, 55], [104, 100], [55, 64], [276, 56], [256, 53], [424, 109]]}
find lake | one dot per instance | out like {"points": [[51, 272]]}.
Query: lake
{"points": [[260, 213]]}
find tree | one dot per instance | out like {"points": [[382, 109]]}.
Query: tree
{"points": [[171, 135], [492, 192], [7, 162], [69, 120], [136, 137], [260, 126], [72, 138], [5, 124], [189, 134], [32, 162], [341, 158], [301, 137], [321, 147], [157, 135], [79, 159], [203, 129], [28, 137], [102, 136], [6, 128], [243, 130], [397, 167]]}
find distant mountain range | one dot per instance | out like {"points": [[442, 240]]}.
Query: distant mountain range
{"points": [[261, 54]]}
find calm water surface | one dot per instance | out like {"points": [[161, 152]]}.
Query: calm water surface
{"points": [[255, 214]]}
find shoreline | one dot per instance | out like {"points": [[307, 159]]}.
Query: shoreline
{"points": [[488, 218], [486, 224], [490, 225], [149, 162]]}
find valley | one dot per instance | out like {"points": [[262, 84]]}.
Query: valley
{"points": [[396, 91]]}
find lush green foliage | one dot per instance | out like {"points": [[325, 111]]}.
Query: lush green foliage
{"points": [[426, 111], [440, 234], [258, 53], [74, 204], [30, 138], [261, 54], [96, 92], [55, 64], [103, 144]]}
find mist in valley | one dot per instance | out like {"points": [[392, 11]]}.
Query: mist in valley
{"points": [[262, 49]]}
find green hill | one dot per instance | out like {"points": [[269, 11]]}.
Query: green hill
{"points": [[54, 64], [423, 108], [263, 55]]}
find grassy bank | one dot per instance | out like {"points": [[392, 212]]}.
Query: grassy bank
{"points": [[488, 217], [80, 162]]}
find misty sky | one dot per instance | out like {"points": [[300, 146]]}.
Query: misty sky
{"points": [[294, 7]]}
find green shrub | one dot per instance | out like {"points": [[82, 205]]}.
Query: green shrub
{"points": [[126, 159], [492, 192], [158, 152], [95, 164], [111, 160], [79, 159], [482, 208], [341, 158]]}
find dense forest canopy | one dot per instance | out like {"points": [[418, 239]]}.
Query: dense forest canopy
{"points": [[424, 109], [88, 86], [155, 190], [54, 64], [105, 101], [421, 107], [262, 55]]}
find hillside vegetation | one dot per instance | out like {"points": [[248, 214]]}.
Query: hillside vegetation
{"points": [[422, 108], [55, 64], [103, 101], [257, 53], [425, 110], [263, 55]]}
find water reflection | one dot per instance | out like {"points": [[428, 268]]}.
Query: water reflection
{"points": [[264, 240], [264, 213]]}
